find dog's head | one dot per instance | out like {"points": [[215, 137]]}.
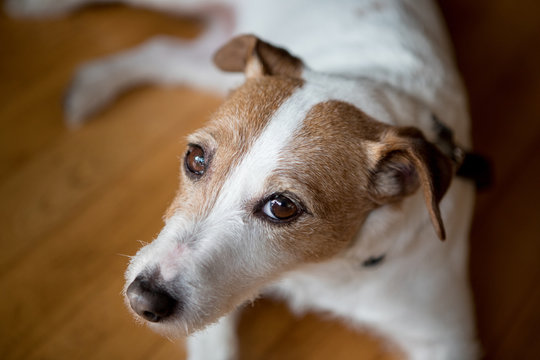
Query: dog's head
{"points": [[285, 174]]}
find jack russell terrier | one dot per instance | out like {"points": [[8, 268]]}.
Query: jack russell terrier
{"points": [[326, 178]]}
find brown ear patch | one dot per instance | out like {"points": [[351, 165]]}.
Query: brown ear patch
{"points": [[249, 54], [394, 178], [409, 161], [234, 55], [278, 61]]}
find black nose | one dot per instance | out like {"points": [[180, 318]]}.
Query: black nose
{"points": [[149, 301]]}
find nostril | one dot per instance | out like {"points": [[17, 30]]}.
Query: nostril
{"points": [[150, 316], [149, 301]]}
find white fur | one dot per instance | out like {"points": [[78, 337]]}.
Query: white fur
{"points": [[356, 51]]}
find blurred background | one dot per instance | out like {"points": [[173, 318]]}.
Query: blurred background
{"points": [[73, 203]]}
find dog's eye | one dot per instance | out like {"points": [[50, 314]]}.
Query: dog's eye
{"points": [[281, 208], [195, 161]]}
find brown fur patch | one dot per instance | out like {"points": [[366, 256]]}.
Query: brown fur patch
{"points": [[328, 168], [433, 168], [249, 54], [228, 137]]}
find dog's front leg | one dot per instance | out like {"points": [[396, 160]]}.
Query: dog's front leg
{"points": [[162, 60], [45, 8], [54, 8], [216, 342]]}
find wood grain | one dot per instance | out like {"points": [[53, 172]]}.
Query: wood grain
{"points": [[73, 202]]}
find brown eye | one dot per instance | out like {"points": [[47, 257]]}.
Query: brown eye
{"points": [[195, 161], [281, 208]]}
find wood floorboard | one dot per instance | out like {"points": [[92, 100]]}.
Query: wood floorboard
{"points": [[521, 339], [72, 171], [515, 249], [73, 201], [83, 253]]}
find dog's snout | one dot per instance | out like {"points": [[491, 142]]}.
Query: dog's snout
{"points": [[149, 301]]}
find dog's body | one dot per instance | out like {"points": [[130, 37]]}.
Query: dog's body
{"points": [[323, 139]]}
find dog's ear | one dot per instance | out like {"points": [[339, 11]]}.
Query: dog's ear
{"points": [[407, 161], [254, 57]]}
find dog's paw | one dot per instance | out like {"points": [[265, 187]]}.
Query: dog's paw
{"points": [[93, 87], [38, 8]]}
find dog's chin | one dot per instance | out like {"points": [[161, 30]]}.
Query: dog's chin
{"points": [[170, 329], [173, 328]]}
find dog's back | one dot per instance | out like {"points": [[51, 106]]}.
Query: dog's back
{"points": [[399, 42]]}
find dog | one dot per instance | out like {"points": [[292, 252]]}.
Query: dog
{"points": [[327, 178]]}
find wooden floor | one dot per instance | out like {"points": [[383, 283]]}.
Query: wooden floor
{"points": [[74, 202]]}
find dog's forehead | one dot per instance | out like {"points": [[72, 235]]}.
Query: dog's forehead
{"points": [[259, 147], [273, 131], [249, 109]]}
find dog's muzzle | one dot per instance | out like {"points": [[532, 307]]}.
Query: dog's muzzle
{"points": [[149, 300]]}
